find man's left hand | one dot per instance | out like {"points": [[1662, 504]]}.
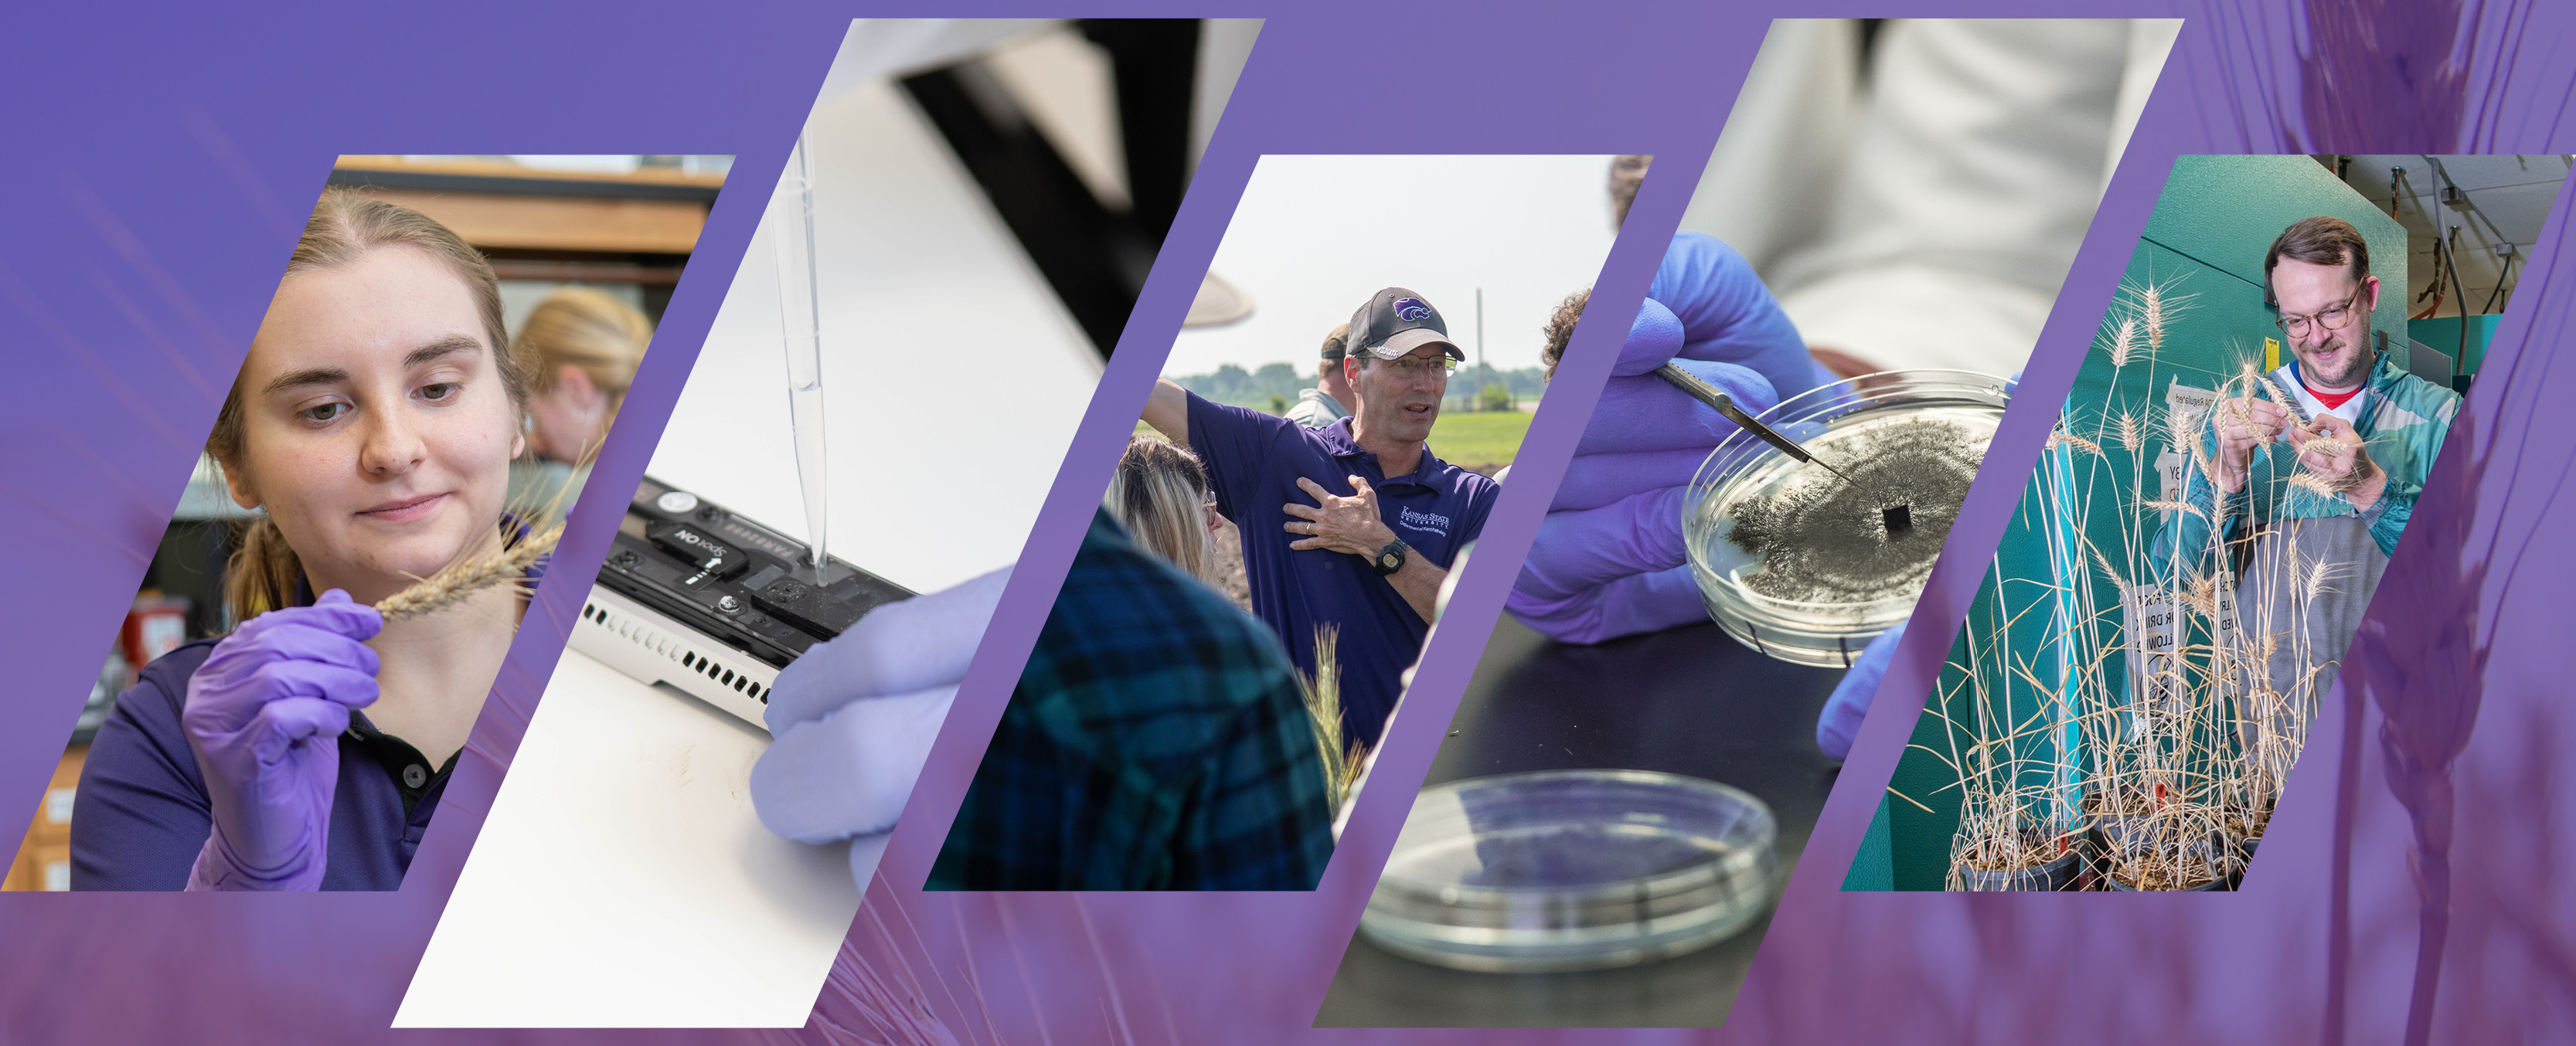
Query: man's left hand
{"points": [[1336, 523], [2336, 453]]}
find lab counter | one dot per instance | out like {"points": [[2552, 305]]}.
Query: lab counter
{"points": [[624, 839], [1686, 700]]}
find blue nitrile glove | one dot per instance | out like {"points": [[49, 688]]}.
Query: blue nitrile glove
{"points": [[854, 718], [264, 716], [1609, 560], [1840, 721], [1728, 315]]}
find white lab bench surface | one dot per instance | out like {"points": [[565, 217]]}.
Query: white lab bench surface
{"points": [[622, 879]]}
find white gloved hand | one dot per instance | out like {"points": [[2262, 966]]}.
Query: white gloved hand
{"points": [[854, 718]]}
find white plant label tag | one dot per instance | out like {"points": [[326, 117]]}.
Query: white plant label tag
{"points": [[2152, 627], [2169, 467], [2185, 405]]}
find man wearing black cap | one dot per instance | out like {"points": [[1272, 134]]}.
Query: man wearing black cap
{"points": [[1354, 525]]}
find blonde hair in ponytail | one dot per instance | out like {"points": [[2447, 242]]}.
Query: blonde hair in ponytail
{"points": [[346, 226], [586, 328], [1156, 494]]}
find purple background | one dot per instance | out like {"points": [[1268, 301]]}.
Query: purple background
{"points": [[160, 164]]}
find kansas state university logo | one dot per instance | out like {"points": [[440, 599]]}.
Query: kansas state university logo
{"points": [[1424, 521], [1412, 310]]}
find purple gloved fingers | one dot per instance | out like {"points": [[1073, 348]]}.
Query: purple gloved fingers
{"points": [[1728, 315], [288, 733], [1653, 337], [1840, 722], [1621, 607], [920, 643], [281, 724], [231, 697], [849, 772], [1580, 550], [1647, 413], [322, 635], [1595, 480], [263, 716], [334, 614]]}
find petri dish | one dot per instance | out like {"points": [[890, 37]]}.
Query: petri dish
{"points": [[1795, 561], [1573, 870]]}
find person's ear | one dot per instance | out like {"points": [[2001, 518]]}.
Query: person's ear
{"points": [[576, 386], [239, 486], [2369, 294], [1351, 369]]}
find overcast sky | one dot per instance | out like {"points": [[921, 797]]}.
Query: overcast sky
{"points": [[1315, 235]]}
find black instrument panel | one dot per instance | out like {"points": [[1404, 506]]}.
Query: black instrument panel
{"points": [[732, 579]]}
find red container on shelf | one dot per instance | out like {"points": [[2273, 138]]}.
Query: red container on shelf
{"points": [[157, 625]]}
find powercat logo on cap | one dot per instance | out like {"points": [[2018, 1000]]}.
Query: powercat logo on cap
{"points": [[1411, 310]]}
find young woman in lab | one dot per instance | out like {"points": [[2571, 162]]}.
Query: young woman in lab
{"points": [[372, 424], [583, 346]]}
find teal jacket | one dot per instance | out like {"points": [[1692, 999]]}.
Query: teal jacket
{"points": [[2402, 428]]}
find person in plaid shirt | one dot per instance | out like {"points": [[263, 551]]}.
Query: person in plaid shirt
{"points": [[1157, 741]]}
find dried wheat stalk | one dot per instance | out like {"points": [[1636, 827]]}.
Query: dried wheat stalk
{"points": [[2132, 436], [2124, 342], [2075, 441], [469, 575]]}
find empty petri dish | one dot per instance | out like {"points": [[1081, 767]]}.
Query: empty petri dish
{"points": [[1573, 870], [1796, 561]]}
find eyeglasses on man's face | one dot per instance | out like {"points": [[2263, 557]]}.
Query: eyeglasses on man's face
{"points": [[2332, 318], [1413, 366]]}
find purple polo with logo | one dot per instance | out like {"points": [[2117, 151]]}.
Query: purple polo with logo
{"points": [[1254, 461]]}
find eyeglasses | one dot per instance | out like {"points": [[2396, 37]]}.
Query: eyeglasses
{"points": [[2333, 318], [1410, 366]]}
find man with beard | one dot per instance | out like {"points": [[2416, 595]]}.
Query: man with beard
{"points": [[1352, 526], [2309, 551]]}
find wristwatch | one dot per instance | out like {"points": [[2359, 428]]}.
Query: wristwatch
{"points": [[1388, 560]]}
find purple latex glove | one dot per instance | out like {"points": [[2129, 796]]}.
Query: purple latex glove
{"points": [[1850, 702], [264, 715], [1726, 314], [855, 717], [1609, 560]]}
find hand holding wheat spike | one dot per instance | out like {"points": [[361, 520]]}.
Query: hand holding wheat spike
{"points": [[489, 565], [468, 575]]}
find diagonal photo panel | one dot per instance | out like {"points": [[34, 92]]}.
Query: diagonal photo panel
{"points": [[2240, 454], [807, 564], [379, 496], [1789, 431], [1329, 435]]}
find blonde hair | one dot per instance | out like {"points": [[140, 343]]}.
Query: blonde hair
{"points": [[1157, 494], [585, 328], [346, 226]]}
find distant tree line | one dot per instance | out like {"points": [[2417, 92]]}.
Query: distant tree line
{"points": [[1274, 387]]}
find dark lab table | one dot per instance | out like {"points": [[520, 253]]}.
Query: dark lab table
{"points": [[1687, 700]]}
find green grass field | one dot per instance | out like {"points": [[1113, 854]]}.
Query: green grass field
{"points": [[1470, 441], [1475, 440]]}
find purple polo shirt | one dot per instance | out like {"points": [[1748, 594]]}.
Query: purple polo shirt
{"points": [[142, 813], [1254, 461]]}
